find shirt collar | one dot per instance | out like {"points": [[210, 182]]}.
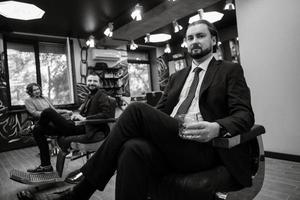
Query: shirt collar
{"points": [[203, 65]]}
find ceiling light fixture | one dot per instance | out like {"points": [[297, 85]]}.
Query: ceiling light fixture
{"points": [[19, 10], [133, 46], [167, 49], [229, 5], [176, 26], [147, 38], [91, 42], [109, 30], [137, 12], [160, 37], [172, 0], [212, 17], [183, 44]]}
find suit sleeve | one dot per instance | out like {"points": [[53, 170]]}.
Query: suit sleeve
{"points": [[241, 116]]}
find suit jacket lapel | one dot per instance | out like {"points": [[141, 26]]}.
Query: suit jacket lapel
{"points": [[209, 76], [181, 80]]}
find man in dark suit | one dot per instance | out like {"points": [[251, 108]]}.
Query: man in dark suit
{"points": [[145, 142], [97, 105]]}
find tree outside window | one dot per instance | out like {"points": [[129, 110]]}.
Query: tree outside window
{"points": [[52, 70], [139, 78]]}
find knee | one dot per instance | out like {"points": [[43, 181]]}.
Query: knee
{"points": [[136, 106], [47, 112]]}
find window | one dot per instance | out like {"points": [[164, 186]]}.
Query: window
{"points": [[55, 76], [45, 63], [22, 70], [139, 73]]}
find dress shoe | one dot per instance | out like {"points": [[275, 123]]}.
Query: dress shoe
{"points": [[41, 170], [74, 177], [62, 195]]}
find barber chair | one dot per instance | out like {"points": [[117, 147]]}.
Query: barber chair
{"points": [[186, 186], [153, 97]]}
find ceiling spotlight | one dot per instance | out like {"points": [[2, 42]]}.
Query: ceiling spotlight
{"points": [[176, 26], [91, 42], [160, 37], [20, 10], [109, 30], [201, 13], [147, 38], [212, 17], [229, 5], [137, 12], [167, 49], [183, 44], [172, 0], [133, 46]]}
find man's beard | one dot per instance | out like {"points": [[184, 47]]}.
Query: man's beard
{"points": [[92, 89], [199, 54]]}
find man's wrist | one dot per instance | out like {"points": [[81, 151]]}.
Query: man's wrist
{"points": [[222, 130]]}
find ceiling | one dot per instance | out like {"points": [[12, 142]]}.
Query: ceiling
{"points": [[81, 18]]}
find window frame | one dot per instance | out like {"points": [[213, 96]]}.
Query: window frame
{"points": [[34, 41], [143, 62]]}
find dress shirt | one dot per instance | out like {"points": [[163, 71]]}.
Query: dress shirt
{"points": [[194, 108]]}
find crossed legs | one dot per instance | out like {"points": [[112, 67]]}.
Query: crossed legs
{"points": [[144, 141]]}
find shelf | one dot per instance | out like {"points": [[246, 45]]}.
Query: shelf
{"points": [[104, 69], [116, 87]]}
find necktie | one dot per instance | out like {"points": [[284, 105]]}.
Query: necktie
{"points": [[184, 107]]}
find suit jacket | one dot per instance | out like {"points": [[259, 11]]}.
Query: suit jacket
{"points": [[224, 98], [101, 106]]}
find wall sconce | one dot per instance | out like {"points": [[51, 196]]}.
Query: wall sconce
{"points": [[137, 12], [183, 44], [109, 30], [133, 46], [167, 49], [91, 42], [201, 13], [229, 5], [176, 26], [147, 38]]}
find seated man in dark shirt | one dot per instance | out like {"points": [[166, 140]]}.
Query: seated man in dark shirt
{"points": [[97, 105]]}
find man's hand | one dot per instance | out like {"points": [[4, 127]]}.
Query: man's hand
{"points": [[77, 117], [69, 112], [202, 131]]}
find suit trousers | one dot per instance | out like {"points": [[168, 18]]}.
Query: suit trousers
{"points": [[144, 142], [52, 123]]}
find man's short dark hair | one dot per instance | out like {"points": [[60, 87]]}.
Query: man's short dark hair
{"points": [[29, 88], [211, 28], [93, 73]]}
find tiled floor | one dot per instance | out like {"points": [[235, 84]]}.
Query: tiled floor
{"points": [[282, 178]]}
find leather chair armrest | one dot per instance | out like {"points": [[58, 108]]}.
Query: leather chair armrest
{"points": [[95, 121], [230, 142]]}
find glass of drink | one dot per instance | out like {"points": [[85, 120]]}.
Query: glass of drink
{"points": [[184, 119]]}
